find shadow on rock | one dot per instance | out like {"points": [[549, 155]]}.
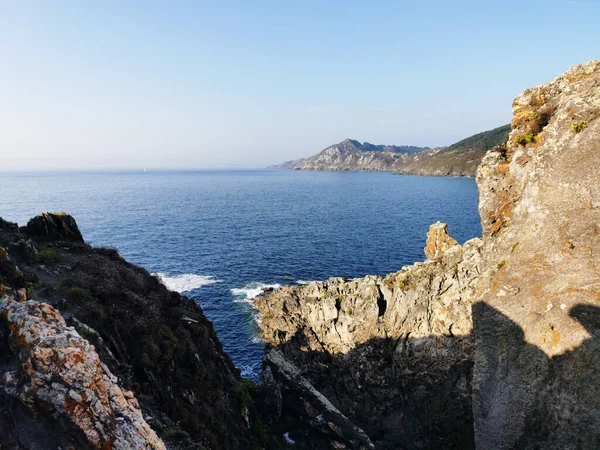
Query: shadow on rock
{"points": [[490, 388], [403, 393]]}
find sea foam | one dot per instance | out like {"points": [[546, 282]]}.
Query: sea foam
{"points": [[186, 282], [250, 291]]}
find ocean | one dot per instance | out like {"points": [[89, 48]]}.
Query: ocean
{"points": [[220, 236]]}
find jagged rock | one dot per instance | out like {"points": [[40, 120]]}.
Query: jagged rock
{"points": [[438, 241], [56, 226], [540, 211], [327, 424], [158, 343], [61, 375], [8, 226], [396, 353], [380, 348]]}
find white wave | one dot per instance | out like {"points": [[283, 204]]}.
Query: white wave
{"points": [[186, 282], [252, 290], [302, 282], [248, 372]]}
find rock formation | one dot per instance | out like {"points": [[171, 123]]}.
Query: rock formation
{"points": [[493, 344], [393, 354], [60, 374], [539, 202], [96, 353]]}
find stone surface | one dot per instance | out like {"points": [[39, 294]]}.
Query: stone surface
{"points": [[393, 354], [61, 374], [537, 331], [511, 321], [327, 425], [438, 241]]}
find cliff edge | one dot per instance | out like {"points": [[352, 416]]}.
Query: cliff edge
{"points": [[489, 345], [96, 353]]}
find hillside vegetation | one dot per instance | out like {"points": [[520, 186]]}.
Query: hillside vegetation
{"points": [[485, 140]]}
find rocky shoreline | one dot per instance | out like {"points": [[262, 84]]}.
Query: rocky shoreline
{"points": [[489, 345], [493, 344], [97, 353]]}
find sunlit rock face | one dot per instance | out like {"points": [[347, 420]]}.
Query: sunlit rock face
{"points": [[493, 344], [540, 212], [60, 374], [393, 354]]}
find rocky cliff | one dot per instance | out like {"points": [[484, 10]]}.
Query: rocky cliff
{"points": [[96, 353], [493, 344], [460, 159], [538, 312], [394, 354]]}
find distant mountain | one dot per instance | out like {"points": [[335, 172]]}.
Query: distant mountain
{"points": [[459, 159], [352, 155]]}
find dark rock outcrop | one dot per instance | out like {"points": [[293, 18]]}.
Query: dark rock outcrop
{"points": [[57, 226], [146, 339]]}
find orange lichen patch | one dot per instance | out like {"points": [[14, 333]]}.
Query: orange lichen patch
{"points": [[537, 99], [551, 336], [566, 246], [504, 212], [71, 406], [502, 169], [580, 76], [537, 263], [20, 339]]}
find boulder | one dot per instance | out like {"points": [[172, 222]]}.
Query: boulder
{"points": [[60, 373], [438, 241], [56, 226]]}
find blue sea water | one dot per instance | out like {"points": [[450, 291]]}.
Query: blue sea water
{"points": [[219, 236]]}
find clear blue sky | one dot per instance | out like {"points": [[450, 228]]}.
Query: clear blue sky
{"points": [[249, 83]]}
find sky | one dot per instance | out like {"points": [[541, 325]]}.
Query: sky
{"points": [[195, 84]]}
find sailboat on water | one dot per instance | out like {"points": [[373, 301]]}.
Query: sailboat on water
{"points": [[145, 171]]}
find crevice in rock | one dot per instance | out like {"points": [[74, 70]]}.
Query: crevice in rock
{"points": [[381, 303]]}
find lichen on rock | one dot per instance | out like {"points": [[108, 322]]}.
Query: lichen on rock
{"points": [[511, 320], [381, 346], [61, 373]]}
